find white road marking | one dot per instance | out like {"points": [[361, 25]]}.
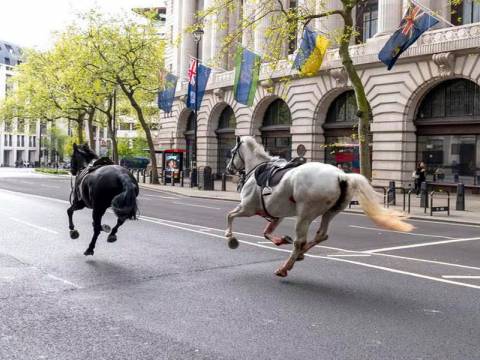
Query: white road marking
{"points": [[400, 232], [264, 242], [33, 225], [461, 276], [195, 205], [383, 268], [35, 196], [350, 255], [161, 197], [64, 281], [428, 261], [419, 245]]}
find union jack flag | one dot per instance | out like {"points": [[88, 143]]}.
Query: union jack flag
{"points": [[414, 23], [192, 71]]}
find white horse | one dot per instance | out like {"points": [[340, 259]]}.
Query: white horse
{"points": [[307, 192]]}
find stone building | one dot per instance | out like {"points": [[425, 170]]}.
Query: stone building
{"points": [[427, 108], [19, 139]]}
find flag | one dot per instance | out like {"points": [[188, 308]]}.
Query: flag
{"points": [[165, 97], [197, 83], [414, 23], [310, 54], [247, 69]]}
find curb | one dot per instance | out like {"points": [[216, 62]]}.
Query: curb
{"points": [[349, 211]]}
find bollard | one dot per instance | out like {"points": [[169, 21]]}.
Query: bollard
{"points": [[181, 178], [138, 175], [193, 178], [456, 178], [391, 199], [172, 178], [143, 175], [423, 195], [460, 197], [151, 180], [224, 182]]}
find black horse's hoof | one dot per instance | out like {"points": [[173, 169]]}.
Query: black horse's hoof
{"points": [[74, 234], [88, 252], [300, 257], [287, 239], [112, 238], [106, 228], [233, 243]]}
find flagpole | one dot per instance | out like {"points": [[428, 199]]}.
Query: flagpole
{"points": [[431, 12]]}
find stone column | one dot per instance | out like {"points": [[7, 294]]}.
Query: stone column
{"points": [[188, 44], [220, 31], [248, 12], [208, 38], [389, 16], [330, 24]]}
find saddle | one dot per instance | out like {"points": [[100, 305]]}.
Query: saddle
{"points": [[99, 163], [270, 174]]}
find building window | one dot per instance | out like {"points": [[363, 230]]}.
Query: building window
{"points": [[343, 109], [7, 61], [367, 20], [341, 142], [225, 138], [448, 130], [189, 140], [276, 137], [466, 12]]}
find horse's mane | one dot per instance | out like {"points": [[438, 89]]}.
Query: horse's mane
{"points": [[257, 148]]}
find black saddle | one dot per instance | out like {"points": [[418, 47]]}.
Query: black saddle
{"points": [[99, 163], [271, 173]]}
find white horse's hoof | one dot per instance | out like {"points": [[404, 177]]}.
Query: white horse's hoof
{"points": [[106, 228], [233, 243]]}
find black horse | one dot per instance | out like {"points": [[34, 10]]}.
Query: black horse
{"points": [[99, 186]]}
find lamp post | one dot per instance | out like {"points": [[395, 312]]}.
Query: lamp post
{"points": [[197, 37]]}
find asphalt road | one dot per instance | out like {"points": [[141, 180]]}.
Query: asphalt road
{"points": [[170, 288]]}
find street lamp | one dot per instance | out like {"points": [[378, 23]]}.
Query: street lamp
{"points": [[197, 37]]}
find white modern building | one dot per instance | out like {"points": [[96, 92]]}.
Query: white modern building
{"points": [[427, 108], [19, 139]]}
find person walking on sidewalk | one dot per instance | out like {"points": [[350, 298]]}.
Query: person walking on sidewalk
{"points": [[420, 176]]}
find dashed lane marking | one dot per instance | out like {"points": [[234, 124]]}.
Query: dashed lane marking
{"points": [[350, 255], [420, 245], [195, 205], [460, 276], [400, 232]]}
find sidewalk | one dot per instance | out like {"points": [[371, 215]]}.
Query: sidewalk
{"points": [[471, 216]]}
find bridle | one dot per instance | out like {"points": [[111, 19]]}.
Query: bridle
{"points": [[235, 152]]}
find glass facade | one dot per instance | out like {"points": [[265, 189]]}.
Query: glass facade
{"points": [[226, 138], [448, 132], [276, 136]]}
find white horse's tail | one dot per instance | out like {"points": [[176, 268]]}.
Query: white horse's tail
{"points": [[367, 197]]}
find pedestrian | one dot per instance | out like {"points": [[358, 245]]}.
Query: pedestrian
{"points": [[420, 176]]}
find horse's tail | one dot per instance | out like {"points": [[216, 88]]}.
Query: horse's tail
{"points": [[368, 199], [124, 205]]}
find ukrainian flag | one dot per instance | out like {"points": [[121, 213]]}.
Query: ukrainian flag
{"points": [[311, 52]]}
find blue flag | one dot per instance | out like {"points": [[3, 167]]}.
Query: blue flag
{"points": [[415, 22], [165, 97], [247, 69], [201, 79]]}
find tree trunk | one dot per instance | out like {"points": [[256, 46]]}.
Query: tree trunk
{"points": [[91, 135], [146, 128], [113, 137], [364, 109], [79, 122]]}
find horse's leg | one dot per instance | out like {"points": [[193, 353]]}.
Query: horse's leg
{"points": [[77, 205], [97, 228], [113, 237], [301, 229], [276, 239], [322, 231], [239, 211]]}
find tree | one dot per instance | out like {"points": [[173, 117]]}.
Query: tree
{"points": [[128, 55], [284, 24]]}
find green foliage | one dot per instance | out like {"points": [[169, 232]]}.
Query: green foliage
{"points": [[52, 171], [136, 147]]}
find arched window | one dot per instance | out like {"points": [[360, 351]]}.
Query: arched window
{"points": [[340, 133], [276, 129], [448, 132], [225, 137], [189, 140]]}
